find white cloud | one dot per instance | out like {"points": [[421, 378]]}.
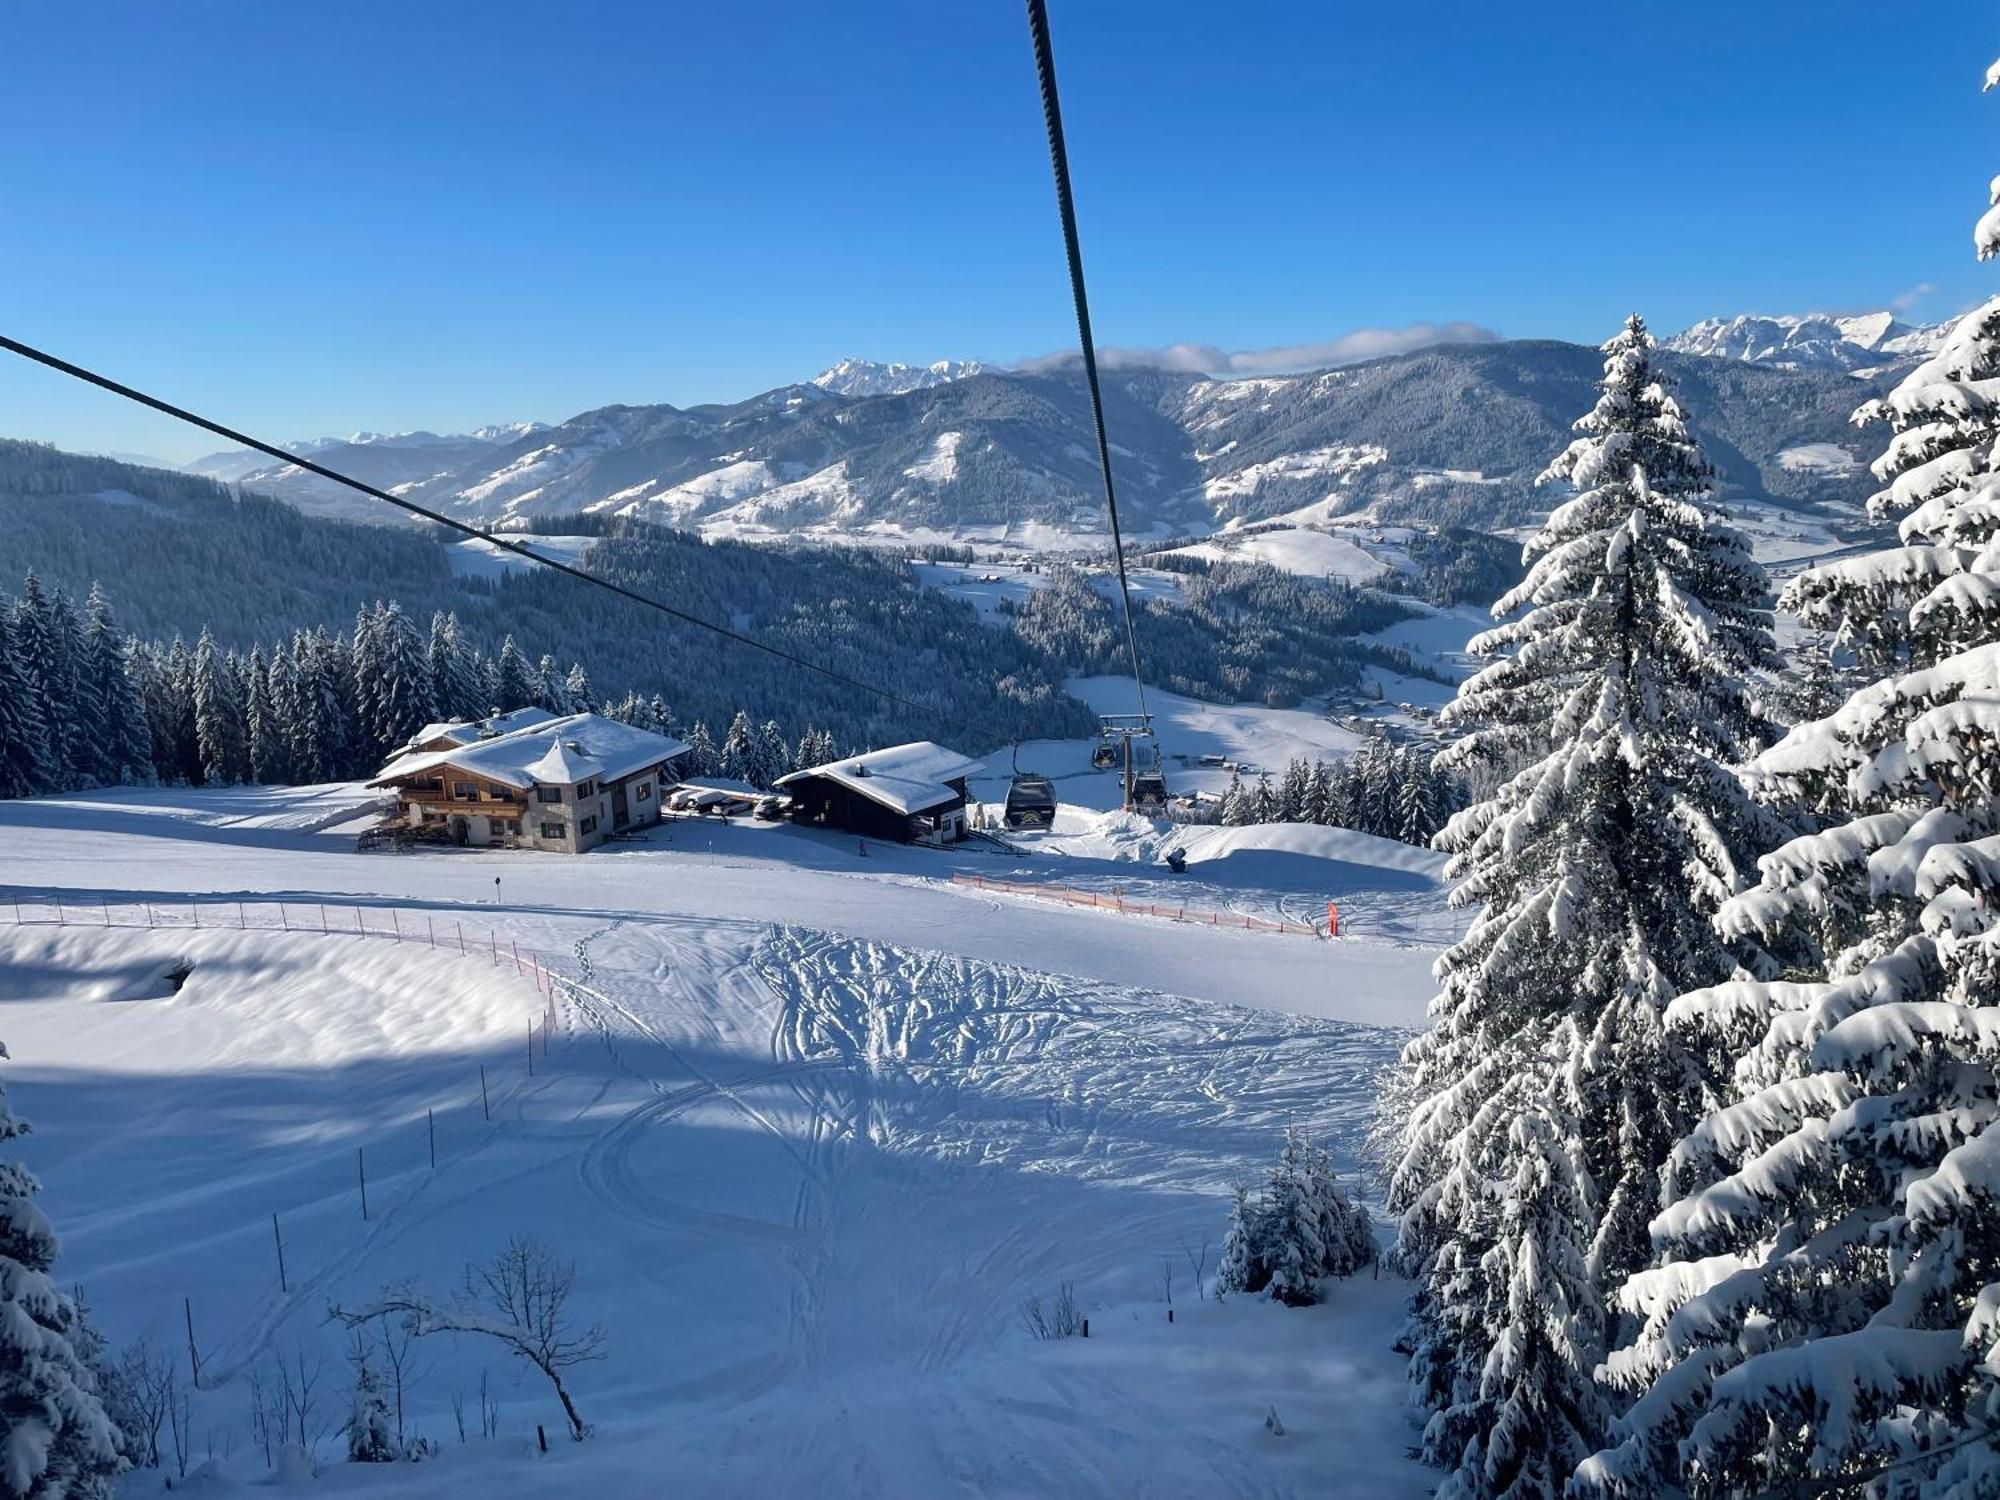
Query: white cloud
{"points": [[1912, 297], [1346, 349]]}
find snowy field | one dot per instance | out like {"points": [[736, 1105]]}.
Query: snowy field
{"points": [[1306, 551], [813, 1121], [476, 559]]}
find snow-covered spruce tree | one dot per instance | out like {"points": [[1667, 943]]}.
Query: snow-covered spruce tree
{"points": [[1245, 1265], [1293, 1246], [1827, 1301], [739, 749], [44, 666], [1299, 1231], [25, 767], [1619, 697], [218, 718], [371, 1430], [513, 678], [1539, 1411], [404, 700], [56, 1443], [106, 664]]}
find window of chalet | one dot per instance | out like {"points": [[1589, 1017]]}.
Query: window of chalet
{"points": [[588, 825], [585, 789], [552, 830], [497, 792], [548, 794], [643, 792], [464, 791]]}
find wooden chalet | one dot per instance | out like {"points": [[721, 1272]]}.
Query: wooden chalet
{"points": [[564, 784]]}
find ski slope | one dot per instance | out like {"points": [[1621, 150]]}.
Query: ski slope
{"points": [[812, 1122]]}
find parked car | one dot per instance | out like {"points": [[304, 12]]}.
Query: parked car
{"points": [[773, 807]]}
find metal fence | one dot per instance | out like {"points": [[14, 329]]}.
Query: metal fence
{"points": [[1200, 916]]}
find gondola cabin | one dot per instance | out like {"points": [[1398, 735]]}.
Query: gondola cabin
{"points": [[908, 794], [1031, 803]]}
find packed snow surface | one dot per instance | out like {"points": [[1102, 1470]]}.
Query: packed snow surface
{"points": [[1309, 553], [813, 1122]]}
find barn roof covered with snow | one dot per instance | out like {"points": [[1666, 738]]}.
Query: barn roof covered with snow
{"points": [[909, 778], [562, 751]]}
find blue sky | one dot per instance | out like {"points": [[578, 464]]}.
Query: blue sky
{"points": [[312, 218]]}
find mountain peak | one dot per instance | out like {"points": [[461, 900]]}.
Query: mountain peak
{"points": [[1857, 343], [869, 377]]}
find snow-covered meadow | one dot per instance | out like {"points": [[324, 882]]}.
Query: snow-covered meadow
{"points": [[812, 1120]]}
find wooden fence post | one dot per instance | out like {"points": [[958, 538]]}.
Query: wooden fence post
{"points": [[485, 1107], [431, 1124], [280, 1239], [531, 1046], [361, 1171]]}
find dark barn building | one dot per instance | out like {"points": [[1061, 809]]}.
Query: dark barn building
{"points": [[906, 794]]}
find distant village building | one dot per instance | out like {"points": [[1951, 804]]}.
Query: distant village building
{"points": [[908, 793], [565, 784]]}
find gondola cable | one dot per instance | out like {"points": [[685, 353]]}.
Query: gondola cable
{"points": [[118, 388], [1045, 72]]}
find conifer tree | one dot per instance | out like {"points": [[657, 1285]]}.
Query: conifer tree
{"points": [[1238, 806], [269, 764], [1619, 696], [25, 767], [1536, 1413], [43, 663], [1263, 801], [126, 743], [774, 757], [82, 748], [371, 1430], [701, 751], [514, 685], [218, 718], [548, 690], [55, 1439], [1827, 1300], [1243, 1267], [456, 692], [401, 699], [738, 750], [576, 690]]}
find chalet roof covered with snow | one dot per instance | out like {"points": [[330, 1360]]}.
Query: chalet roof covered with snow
{"points": [[558, 751], [904, 778], [465, 731]]}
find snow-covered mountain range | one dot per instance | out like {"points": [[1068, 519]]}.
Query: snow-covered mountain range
{"points": [[867, 377], [1856, 343], [955, 450], [390, 460]]}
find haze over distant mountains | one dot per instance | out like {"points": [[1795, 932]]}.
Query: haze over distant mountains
{"points": [[956, 449]]}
